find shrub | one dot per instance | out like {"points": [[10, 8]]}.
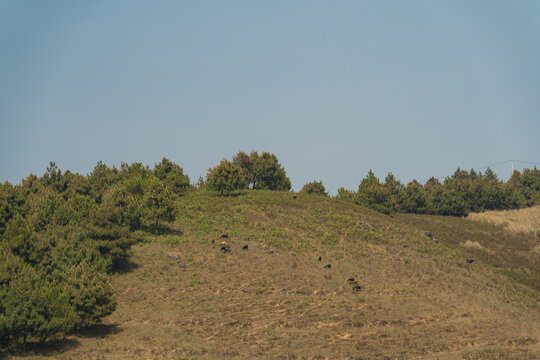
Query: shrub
{"points": [[315, 188]]}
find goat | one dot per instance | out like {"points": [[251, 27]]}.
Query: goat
{"points": [[224, 236], [470, 261], [357, 288], [320, 258], [327, 266], [245, 247], [350, 280]]}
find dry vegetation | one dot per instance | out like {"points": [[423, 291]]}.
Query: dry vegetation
{"points": [[522, 220], [182, 298]]}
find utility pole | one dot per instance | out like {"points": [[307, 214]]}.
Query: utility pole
{"points": [[512, 167]]}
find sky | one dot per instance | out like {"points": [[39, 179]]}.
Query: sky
{"points": [[333, 88]]}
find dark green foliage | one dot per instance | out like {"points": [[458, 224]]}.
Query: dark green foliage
{"points": [[88, 292], [347, 195], [120, 207], [69, 246], [48, 208], [225, 178], [315, 188], [172, 176], [20, 240], [269, 174], [61, 233], [135, 177], [458, 195], [371, 193], [31, 306], [247, 164], [413, 198], [101, 178], [6, 205], [159, 203]]}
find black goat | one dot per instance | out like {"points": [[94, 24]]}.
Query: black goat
{"points": [[327, 266], [357, 288], [470, 261], [224, 236], [320, 258], [245, 247]]}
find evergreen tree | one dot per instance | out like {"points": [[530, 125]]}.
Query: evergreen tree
{"points": [[413, 198], [159, 202], [172, 176], [225, 178], [31, 306], [269, 174]]}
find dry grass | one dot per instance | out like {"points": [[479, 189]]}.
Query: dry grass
{"points": [[522, 220], [419, 300], [474, 245]]}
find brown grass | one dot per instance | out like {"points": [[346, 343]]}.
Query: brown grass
{"points": [[419, 300], [515, 221]]}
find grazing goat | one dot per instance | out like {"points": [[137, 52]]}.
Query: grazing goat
{"points": [[245, 247], [357, 288], [295, 197], [224, 236], [320, 258], [213, 241], [327, 266], [470, 261], [225, 247], [350, 280]]}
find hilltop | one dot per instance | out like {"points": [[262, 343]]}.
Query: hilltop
{"points": [[181, 297]]}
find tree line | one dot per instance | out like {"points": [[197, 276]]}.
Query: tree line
{"points": [[63, 234], [458, 195]]}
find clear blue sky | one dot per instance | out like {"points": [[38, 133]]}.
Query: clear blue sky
{"points": [[333, 88]]}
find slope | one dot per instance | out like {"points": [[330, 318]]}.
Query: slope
{"points": [[184, 298]]}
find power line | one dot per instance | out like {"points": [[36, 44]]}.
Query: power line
{"points": [[507, 161]]}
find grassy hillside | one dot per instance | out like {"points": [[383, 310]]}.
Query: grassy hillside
{"points": [[181, 297]]}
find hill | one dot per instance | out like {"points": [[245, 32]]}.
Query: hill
{"points": [[181, 297]]}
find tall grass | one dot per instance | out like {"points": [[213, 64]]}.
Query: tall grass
{"points": [[515, 221]]}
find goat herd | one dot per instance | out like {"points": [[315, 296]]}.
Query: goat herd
{"points": [[226, 249]]}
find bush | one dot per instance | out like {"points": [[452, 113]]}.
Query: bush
{"points": [[315, 188], [88, 292], [31, 305]]}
